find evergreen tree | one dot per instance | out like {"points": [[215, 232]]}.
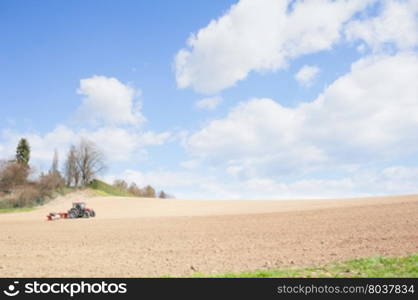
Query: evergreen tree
{"points": [[23, 152]]}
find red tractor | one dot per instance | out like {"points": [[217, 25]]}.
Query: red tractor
{"points": [[79, 210]]}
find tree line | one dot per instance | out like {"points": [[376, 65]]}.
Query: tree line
{"points": [[83, 162], [19, 187], [148, 191]]}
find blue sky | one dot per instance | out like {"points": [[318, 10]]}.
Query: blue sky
{"points": [[295, 97]]}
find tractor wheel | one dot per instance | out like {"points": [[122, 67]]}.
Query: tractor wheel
{"points": [[86, 214], [72, 214], [92, 213]]}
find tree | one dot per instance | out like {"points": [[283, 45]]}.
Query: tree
{"points": [[50, 182], [121, 184], [53, 180], [12, 174], [90, 161], [162, 195], [23, 152], [135, 190], [54, 167], [149, 192], [72, 173]]}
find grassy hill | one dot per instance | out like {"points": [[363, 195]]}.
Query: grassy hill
{"points": [[105, 189]]}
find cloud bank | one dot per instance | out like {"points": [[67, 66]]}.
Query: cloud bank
{"points": [[260, 35]]}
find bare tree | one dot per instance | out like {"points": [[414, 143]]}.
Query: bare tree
{"points": [[12, 175], [72, 173], [135, 190], [122, 184], [54, 167], [53, 180], [162, 195], [90, 161], [149, 192]]}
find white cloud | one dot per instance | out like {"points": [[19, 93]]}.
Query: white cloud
{"points": [[209, 103], [393, 180], [361, 48], [317, 24], [396, 25], [257, 36], [110, 101], [307, 74], [190, 164], [367, 115], [153, 138]]}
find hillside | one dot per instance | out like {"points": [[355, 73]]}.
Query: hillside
{"points": [[106, 189]]}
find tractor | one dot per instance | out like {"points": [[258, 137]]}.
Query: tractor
{"points": [[79, 210]]}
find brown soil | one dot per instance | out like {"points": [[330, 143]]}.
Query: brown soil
{"points": [[133, 237]]}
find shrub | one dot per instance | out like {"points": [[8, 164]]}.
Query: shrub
{"points": [[163, 195], [121, 184], [135, 190], [8, 203], [12, 174], [49, 183], [149, 192], [24, 196], [28, 196]]}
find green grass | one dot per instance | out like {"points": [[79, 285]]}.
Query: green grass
{"points": [[12, 210], [103, 189], [365, 267]]}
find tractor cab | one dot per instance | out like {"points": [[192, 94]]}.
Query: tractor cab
{"points": [[79, 205]]}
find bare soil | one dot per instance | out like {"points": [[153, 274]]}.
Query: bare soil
{"points": [[133, 237]]}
